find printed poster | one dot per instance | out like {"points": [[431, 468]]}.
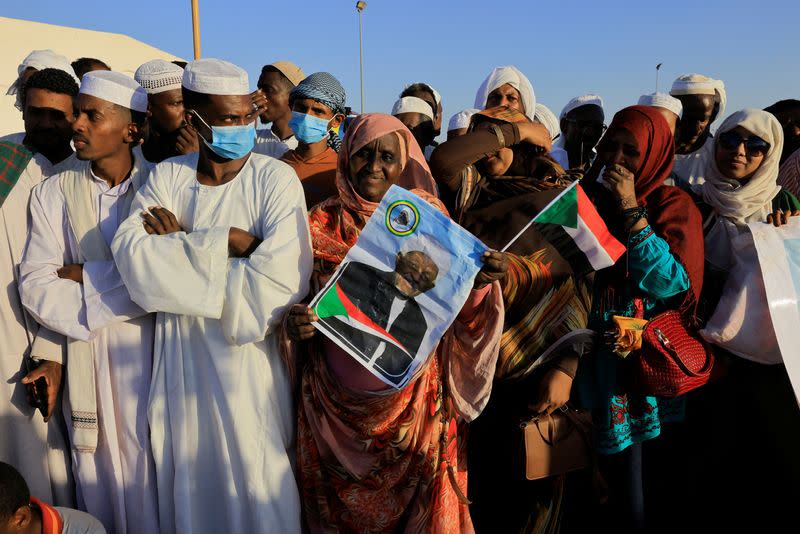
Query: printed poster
{"points": [[400, 287]]}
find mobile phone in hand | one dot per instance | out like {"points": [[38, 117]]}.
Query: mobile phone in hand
{"points": [[37, 392]]}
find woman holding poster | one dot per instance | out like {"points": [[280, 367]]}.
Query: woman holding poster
{"points": [[372, 458]]}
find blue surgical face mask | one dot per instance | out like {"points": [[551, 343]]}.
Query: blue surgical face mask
{"points": [[308, 128], [230, 142]]}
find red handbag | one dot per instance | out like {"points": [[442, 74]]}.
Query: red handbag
{"points": [[673, 359]]}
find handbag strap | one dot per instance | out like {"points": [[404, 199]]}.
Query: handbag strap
{"points": [[665, 342]]}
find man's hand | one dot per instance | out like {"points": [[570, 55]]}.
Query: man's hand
{"points": [[71, 271], [187, 141], [535, 134], [298, 323], [259, 101], [554, 392], [160, 221], [241, 244], [51, 372], [495, 265], [781, 217]]}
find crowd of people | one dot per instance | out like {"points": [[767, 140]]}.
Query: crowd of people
{"points": [[163, 234]]}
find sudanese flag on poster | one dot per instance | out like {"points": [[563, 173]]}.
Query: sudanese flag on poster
{"points": [[335, 303]]}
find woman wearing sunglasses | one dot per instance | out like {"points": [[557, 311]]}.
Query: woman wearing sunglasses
{"points": [[749, 418]]}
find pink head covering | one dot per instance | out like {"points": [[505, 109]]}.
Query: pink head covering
{"points": [[366, 128]]}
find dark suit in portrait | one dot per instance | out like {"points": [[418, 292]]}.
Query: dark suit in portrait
{"points": [[373, 292]]}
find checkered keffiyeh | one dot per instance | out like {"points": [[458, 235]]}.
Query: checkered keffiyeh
{"points": [[14, 159], [324, 88]]}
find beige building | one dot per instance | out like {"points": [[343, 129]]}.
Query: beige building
{"points": [[19, 37]]}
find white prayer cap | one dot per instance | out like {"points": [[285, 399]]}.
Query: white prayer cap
{"points": [[215, 77], [548, 119], [436, 96], [580, 101], [412, 104], [512, 76], [158, 76], [698, 84], [662, 100], [40, 60], [461, 119], [116, 88]]}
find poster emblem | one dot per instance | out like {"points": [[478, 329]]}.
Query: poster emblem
{"points": [[402, 218]]}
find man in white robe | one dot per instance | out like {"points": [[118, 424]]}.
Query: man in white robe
{"points": [[167, 133], [37, 448], [220, 251], [69, 283], [48, 110], [703, 100]]}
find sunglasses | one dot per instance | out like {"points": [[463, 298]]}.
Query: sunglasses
{"points": [[753, 144]]}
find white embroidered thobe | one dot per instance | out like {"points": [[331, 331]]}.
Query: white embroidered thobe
{"points": [[221, 415], [36, 449], [269, 144], [116, 483]]}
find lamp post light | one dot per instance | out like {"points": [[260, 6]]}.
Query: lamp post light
{"points": [[360, 5]]}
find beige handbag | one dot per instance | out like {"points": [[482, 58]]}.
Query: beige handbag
{"points": [[558, 443]]}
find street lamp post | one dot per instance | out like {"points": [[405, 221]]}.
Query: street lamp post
{"points": [[360, 5]]}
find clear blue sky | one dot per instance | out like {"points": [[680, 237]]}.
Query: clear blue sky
{"points": [[566, 47]]}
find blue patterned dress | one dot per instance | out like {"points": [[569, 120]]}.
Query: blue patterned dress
{"points": [[623, 418]]}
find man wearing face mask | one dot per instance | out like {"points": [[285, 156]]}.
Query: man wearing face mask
{"points": [[317, 111], [218, 245]]}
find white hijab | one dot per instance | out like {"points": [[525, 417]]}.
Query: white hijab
{"points": [[512, 76], [752, 201], [736, 205]]}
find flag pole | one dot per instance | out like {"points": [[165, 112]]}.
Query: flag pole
{"points": [[525, 228], [658, 69], [196, 28]]}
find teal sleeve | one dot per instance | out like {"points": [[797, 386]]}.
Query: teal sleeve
{"points": [[653, 267]]}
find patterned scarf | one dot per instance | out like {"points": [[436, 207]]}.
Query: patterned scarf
{"points": [[14, 159], [546, 303], [325, 89]]}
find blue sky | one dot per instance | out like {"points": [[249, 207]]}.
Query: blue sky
{"points": [[566, 48]]}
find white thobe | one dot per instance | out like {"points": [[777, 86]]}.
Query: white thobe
{"points": [[37, 449], [221, 415], [269, 144], [689, 169], [116, 483], [16, 137]]}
